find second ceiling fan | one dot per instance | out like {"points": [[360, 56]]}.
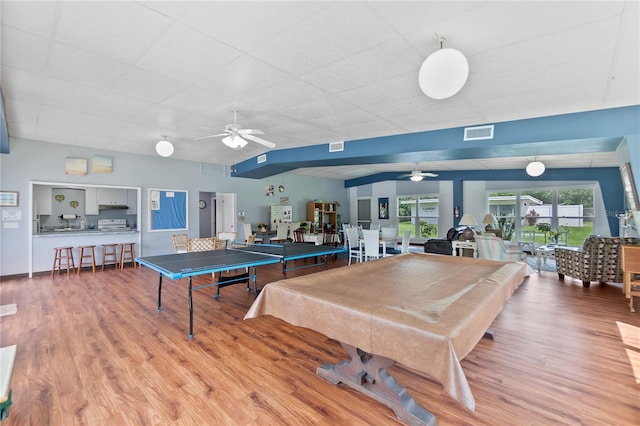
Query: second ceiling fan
{"points": [[417, 175], [236, 137]]}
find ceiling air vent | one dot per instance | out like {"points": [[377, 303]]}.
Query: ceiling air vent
{"points": [[262, 158], [336, 146], [478, 133]]}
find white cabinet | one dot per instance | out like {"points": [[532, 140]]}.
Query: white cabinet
{"points": [[112, 196], [42, 199], [91, 201], [132, 201]]}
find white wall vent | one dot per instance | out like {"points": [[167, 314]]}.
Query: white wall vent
{"points": [[478, 133], [262, 158], [336, 146]]}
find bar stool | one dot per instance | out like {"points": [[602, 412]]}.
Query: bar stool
{"points": [[87, 252], [127, 253], [66, 254], [109, 255]]}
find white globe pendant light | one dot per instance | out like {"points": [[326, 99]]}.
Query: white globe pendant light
{"points": [[443, 73], [164, 148], [535, 168]]}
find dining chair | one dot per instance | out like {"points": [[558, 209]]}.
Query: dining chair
{"points": [[201, 244], [248, 233], [406, 237], [229, 236], [298, 235], [180, 243], [293, 226], [282, 233], [630, 264], [371, 239], [355, 251]]}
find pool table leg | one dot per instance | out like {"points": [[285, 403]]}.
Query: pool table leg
{"points": [[368, 374]]}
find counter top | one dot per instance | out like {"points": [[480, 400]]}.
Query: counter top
{"points": [[82, 232]]}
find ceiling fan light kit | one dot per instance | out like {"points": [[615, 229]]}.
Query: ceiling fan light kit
{"points": [[236, 137], [234, 142], [443, 73], [416, 178], [164, 148]]}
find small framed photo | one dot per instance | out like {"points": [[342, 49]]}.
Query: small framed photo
{"points": [[383, 208], [9, 198]]}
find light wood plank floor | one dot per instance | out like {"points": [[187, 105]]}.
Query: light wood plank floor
{"points": [[92, 349]]}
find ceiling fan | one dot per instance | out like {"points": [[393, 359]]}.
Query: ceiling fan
{"points": [[236, 137], [417, 175]]}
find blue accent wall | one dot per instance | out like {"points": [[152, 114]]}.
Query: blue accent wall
{"points": [[583, 132]]}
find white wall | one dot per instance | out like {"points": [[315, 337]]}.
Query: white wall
{"points": [[41, 161]]}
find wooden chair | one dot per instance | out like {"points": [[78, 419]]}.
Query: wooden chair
{"points": [[180, 243], [329, 238], [201, 244], [298, 235], [630, 263]]}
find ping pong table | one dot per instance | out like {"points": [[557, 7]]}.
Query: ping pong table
{"points": [[188, 265]]}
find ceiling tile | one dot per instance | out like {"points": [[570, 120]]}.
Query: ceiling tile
{"points": [[26, 51], [186, 55], [146, 86], [120, 30], [30, 16], [74, 65]]}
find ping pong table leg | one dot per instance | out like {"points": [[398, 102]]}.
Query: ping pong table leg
{"points": [[190, 310], [159, 293]]}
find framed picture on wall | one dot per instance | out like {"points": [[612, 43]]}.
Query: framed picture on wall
{"points": [[629, 187], [383, 208], [9, 198]]}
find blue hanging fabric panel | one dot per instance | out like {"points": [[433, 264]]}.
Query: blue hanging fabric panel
{"points": [[169, 210]]}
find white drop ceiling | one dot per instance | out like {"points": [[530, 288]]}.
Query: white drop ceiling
{"points": [[120, 75]]}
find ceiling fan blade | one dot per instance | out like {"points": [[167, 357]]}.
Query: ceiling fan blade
{"points": [[428, 174], [244, 132], [260, 141], [212, 136]]}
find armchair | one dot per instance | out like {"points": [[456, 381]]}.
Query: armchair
{"points": [[597, 260], [494, 248]]}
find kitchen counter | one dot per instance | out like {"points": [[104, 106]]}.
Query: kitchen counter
{"points": [[43, 244], [82, 232]]}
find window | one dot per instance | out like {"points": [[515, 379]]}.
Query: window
{"points": [[419, 214], [561, 215]]}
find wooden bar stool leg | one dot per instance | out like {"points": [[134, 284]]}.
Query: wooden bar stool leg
{"points": [[127, 253], [66, 254], [109, 255], [90, 254], [70, 261], [57, 259]]}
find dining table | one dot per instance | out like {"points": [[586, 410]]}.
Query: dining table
{"points": [[318, 239]]}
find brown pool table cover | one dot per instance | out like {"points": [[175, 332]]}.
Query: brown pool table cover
{"points": [[422, 310]]}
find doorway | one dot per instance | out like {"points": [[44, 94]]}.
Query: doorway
{"points": [[217, 213], [364, 213]]}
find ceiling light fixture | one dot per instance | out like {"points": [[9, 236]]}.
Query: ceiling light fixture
{"points": [[416, 178], [535, 168], [443, 73], [234, 141], [164, 148]]}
